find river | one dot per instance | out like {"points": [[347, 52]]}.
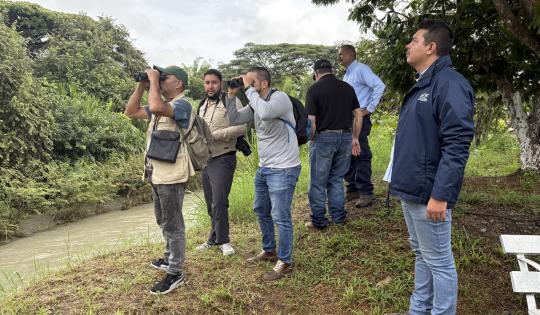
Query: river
{"points": [[27, 258]]}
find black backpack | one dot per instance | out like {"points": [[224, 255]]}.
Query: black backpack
{"points": [[300, 116]]}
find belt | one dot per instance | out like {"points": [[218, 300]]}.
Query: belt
{"points": [[336, 130]]}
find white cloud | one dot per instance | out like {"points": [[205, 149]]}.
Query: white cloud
{"points": [[173, 32]]}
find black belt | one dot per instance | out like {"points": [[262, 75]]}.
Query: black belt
{"points": [[335, 130]]}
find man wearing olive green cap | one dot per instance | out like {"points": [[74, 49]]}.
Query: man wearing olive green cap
{"points": [[167, 110]]}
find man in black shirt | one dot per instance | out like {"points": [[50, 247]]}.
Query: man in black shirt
{"points": [[331, 106]]}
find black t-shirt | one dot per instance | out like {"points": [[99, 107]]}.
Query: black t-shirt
{"points": [[332, 102]]}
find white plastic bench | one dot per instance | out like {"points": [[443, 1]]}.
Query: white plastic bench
{"points": [[527, 280]]}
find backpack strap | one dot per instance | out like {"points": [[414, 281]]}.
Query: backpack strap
{"points": [[287, 123], [272, 90], [200, 104]]}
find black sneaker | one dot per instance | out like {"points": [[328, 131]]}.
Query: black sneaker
{"points": [[169, 283], [162, 263]]}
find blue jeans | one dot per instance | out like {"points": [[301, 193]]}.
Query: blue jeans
{"points": [[274, 189], [329, 157], [435, 276]]}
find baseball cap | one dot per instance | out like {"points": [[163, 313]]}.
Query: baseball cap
{"points": [[322, 64], [178, 72]]}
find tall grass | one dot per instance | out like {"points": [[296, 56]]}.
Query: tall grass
{"points": [[497, 156]]}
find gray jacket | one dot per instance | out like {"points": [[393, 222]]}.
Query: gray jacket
{"points": [[276, 141]]}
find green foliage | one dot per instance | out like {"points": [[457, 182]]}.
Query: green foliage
{"points": [[14, 64], [498, 155], [494, 55], [292, 60], [62, 145], [27, 127], [96, 56], [88, 129], [195, 74]]}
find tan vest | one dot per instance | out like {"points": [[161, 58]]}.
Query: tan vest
{"points": [[224, 135], [170, 173]]}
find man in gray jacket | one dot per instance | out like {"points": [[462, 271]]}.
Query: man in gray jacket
{"points": [[279, 164]]}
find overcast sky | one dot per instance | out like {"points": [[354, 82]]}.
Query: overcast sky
{"points": [[175, 32]]}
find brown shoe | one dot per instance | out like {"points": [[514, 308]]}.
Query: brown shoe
{"points": [[313, 227], [264, 256], [406, 313], [279, 270], [350, 196], [364, 201]]}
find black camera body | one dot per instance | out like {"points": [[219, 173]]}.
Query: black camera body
{"points": [[143, 76], [243, 146], [235, 83]]}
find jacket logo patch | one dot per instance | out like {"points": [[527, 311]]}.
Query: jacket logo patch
{"points": [[423, 97]]}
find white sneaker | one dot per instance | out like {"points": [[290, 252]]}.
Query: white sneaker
{"points": [[226, 249], [204, 246]]}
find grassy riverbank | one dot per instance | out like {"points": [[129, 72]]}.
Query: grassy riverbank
{"points": [[363, 268]]}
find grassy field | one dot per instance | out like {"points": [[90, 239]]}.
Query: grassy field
{"points": [[365, 267]]}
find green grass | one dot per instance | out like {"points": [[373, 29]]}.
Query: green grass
{"points": [[364, 268]]}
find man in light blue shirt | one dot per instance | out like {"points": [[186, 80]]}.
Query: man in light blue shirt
{"points": [[369, 90]]}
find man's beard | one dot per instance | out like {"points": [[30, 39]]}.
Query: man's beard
{"points": [[214, 97]]}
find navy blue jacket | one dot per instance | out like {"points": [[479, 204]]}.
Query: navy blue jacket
{"points": [[433, 136]]}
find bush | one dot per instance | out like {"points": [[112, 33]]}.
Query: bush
{"points": [[90, 130]]}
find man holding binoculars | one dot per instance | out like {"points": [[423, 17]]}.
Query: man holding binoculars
{"points": [[167, 111], [279, 163]]}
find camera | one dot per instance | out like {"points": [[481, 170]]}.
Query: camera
{"points": [[143, 76], [243, 146], [235, 83]]}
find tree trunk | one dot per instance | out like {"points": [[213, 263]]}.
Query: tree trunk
{"points": [[527, 125]]}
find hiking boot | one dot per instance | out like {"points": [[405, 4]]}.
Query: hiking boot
{"points": [[352, 195], [169, 283], [313, 227], [364, 201], [226, 249], [264, 256], [204, 246], [162, 263], [279, 270]]}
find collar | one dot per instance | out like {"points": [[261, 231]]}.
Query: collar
{"points": [[438, 65], [177, 97], [353, 64], [327, 76]]}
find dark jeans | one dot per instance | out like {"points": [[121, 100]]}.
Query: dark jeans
{"points": [[168, 200], [217, 180], [329, 157], [358, 177]]}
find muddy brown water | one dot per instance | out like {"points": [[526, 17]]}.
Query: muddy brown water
{"points": [[25, 259]]}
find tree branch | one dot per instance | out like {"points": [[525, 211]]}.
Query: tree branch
{"points": [[515, 26]]}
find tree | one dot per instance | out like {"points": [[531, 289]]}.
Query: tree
{"points": [[26, 125], [96, 56], [293, 60], [495, 48], [195, 75]]}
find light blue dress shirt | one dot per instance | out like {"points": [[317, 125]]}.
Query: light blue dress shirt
{"points": [[367, 86]]}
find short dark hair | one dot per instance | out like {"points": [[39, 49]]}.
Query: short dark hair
{"points": [[262, 73], [439, 32], [214, 72], [349, 48]]}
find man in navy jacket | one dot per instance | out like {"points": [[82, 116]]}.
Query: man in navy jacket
{"points": [[430, 152]]}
